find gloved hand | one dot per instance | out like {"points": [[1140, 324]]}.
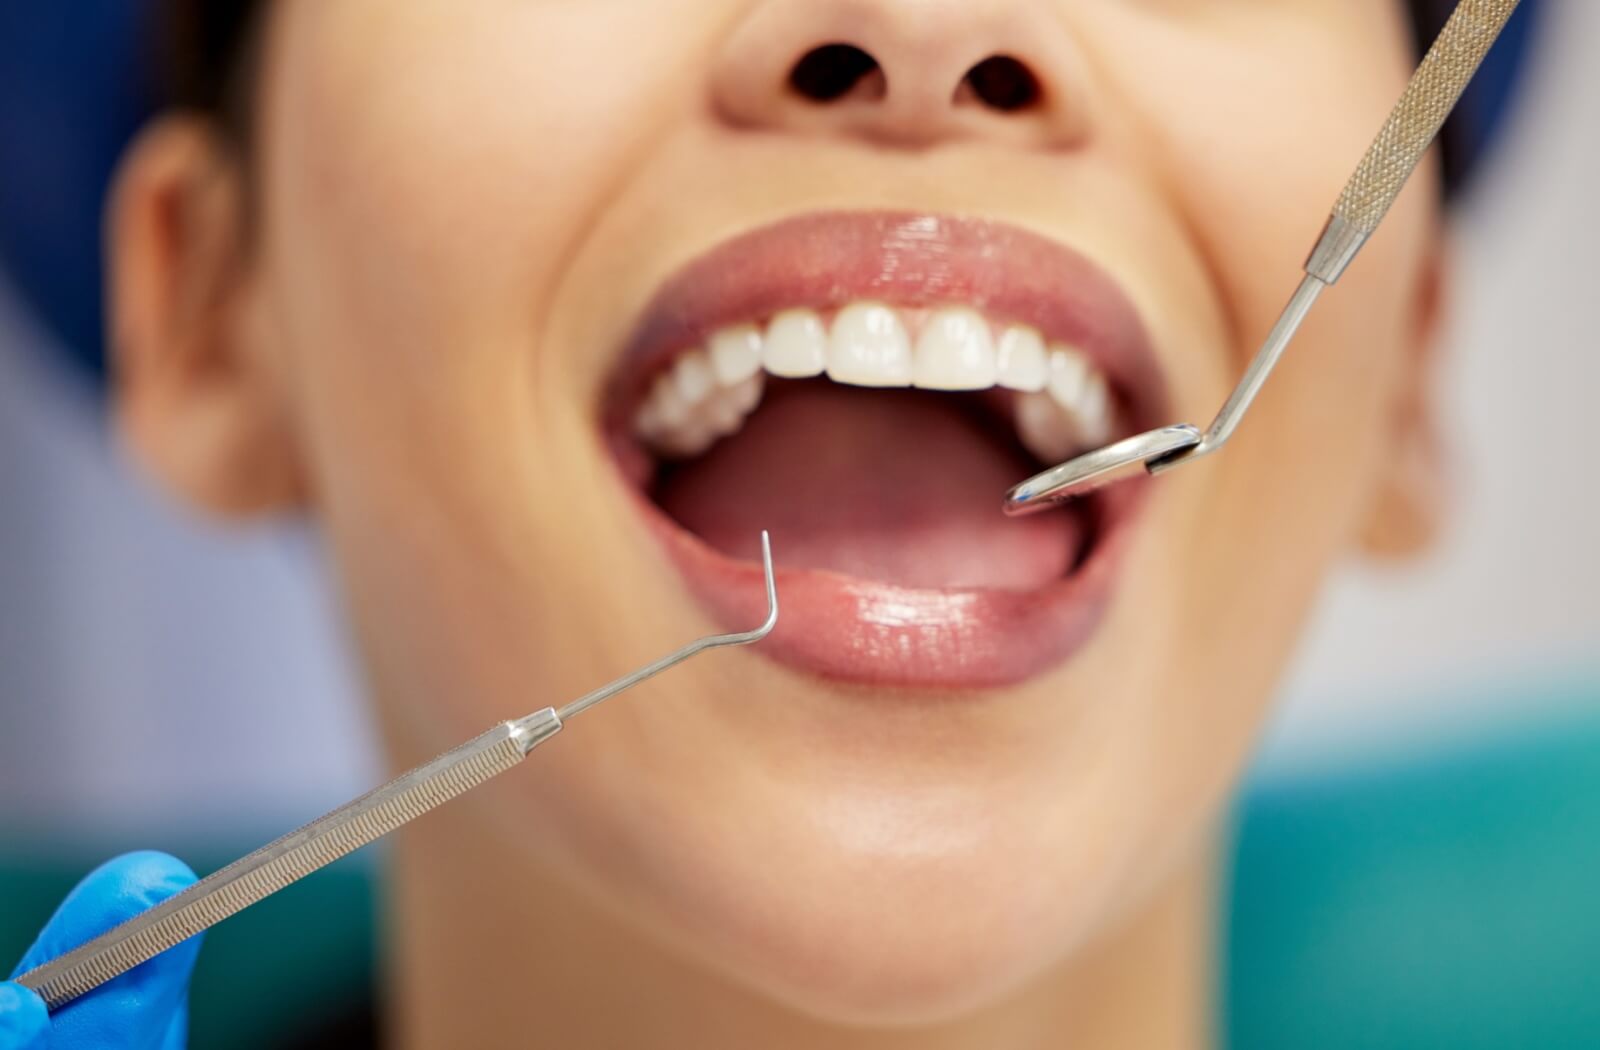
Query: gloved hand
{"points": [[147, 1007]]}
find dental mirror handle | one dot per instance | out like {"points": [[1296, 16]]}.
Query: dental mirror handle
{"points": [[1428, 100]]}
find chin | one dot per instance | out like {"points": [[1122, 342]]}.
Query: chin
{"points": [[908, 930], [879, 870]]}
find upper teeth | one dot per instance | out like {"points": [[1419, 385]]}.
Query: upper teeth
{"points": [[1064, 404]]}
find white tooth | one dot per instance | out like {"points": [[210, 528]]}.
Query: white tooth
{"points": [[869, 347], [687, 441], [669, 407], [727, 409], [647, 421], [1093, 411], [954, 352], [693, 377], [1044, 428], [721, 413], [747, 395], [1081, 391], [736, 354], [677, 429], [796, 345], [1020, 359], [1069, 371]]}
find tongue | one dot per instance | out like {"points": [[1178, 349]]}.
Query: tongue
{"points": [[894, 486]]}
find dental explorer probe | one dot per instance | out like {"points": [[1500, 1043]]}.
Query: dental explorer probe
{"points": [[1428, 99], [351, 826]]}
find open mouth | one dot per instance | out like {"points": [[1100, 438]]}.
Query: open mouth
{"points": [[866, 386]]}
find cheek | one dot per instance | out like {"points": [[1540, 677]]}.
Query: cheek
{"points": [[429, 171], [434, 170]]}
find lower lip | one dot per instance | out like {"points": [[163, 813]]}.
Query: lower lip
{"points": [[874, 633]]}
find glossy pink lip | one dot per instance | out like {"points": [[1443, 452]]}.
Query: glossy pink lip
{"points": [[864, 630]]}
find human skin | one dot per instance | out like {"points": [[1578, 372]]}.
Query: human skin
{"points": [[401, 316]]}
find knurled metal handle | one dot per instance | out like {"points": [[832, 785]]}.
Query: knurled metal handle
{"points": [[295, 855], [1428, 100], [347, 828]]}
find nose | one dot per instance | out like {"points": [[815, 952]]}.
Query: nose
{"points": [[906, 73]]}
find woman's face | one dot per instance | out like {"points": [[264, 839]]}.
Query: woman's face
{"points": [[483, 232]]}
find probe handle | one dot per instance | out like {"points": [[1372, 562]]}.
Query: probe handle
{"points": [[299, 853], [1434, 90]]}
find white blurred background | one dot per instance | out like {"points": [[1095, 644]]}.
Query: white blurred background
{"points": [[1509, 604], [167, 632]]}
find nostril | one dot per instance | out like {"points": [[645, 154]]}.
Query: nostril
{"points": [[831, 71], [1001, 82]]}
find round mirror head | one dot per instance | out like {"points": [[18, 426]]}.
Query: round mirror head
{"points": [[1104, 466]]}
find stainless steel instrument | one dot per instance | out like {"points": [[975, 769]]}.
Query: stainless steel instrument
{"points": [[1411, 128], [348, 828]]}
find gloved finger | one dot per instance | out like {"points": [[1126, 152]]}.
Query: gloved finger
{"points": [[137, 1008], [24, 1023], [178, 1032]]}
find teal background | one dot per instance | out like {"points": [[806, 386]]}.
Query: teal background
{"points": [[1444, 897]]}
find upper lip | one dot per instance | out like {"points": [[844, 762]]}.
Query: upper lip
{"points": [[906, 259], [866, 630]]}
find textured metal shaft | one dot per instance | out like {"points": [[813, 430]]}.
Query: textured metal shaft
{"points": [[1421, 112], [271, 868]]}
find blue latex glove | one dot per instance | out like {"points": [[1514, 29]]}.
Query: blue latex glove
{"points": [[147, 1007]]}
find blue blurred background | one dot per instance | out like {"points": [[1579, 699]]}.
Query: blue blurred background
{"points": [[1417, 854]]}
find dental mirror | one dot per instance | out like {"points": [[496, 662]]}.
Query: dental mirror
{"points": [[1428, 99]]}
